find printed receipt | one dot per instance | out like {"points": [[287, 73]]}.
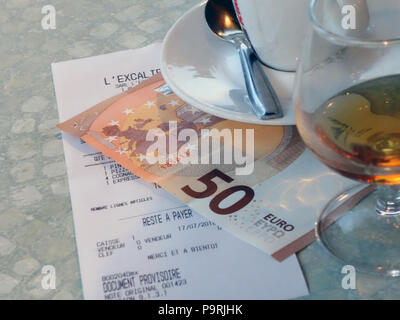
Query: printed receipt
{"points": [[136, 241]]}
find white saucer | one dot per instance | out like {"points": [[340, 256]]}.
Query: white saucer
{"points": [[205, 71]]}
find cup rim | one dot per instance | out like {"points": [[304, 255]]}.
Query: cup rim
{"points": [[347, 40]]}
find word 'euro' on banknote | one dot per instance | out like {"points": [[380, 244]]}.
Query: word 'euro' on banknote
{"points": [[258, 182]]}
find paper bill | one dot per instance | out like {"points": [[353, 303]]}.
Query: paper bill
{"points": [[135, 240], [274, 207]]}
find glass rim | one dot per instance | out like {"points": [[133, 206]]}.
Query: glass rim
{"points": [[347, 40]]}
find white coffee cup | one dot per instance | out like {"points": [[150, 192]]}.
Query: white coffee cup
{"points": [[277, 28]]}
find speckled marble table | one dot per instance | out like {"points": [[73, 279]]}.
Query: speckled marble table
{"points": [[36, 227]]}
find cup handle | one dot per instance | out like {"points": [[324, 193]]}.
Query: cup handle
{"points": [[264, 101]]}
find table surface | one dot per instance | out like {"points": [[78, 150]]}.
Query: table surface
{"points": [[36, 226]]}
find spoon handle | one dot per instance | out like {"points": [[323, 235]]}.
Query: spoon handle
{"points": [[264, 101]]}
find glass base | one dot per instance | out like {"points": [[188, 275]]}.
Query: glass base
{"points": [[353, 229]]}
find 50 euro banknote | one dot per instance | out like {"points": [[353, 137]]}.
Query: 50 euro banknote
{"points": [[258, 182]]}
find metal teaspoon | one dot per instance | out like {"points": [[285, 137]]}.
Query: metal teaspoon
{"points": [[221, 18]]}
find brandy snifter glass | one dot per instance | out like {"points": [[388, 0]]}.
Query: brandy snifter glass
{"points": [[347, 105]]}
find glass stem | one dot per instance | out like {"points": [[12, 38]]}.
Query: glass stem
{"points": [[388, 203]]}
